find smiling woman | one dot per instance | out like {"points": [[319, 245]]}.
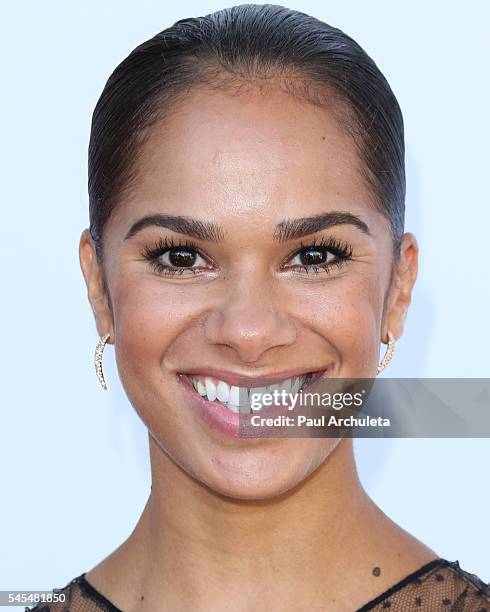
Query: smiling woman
{"points": [[246, 182]]}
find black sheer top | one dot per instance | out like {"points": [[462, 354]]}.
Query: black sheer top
{"points": [[437, 585]]}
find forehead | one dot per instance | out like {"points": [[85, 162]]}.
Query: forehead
{"points": [[258, 152]]}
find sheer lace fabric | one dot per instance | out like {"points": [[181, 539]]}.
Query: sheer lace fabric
{"points": [[439, 585]]}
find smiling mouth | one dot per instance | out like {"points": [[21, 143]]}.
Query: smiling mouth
{"points": [[238, 398]]}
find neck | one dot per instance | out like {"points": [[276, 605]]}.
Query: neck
{"points": [[191, 518], [194, 546]]}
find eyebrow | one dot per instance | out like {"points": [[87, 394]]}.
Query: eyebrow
{"points": [[288, 229], [202, 230], [297, 228]]}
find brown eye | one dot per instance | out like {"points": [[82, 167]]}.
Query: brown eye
{"points": [[313, 256], [169, 259], [321, 257], [181, 257]]}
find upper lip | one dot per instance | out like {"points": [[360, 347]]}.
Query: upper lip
{"points": [[248, 380]]}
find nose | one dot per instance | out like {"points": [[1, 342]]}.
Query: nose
{"points": [[251, 321]]}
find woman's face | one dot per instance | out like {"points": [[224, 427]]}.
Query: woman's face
{"points": [[255, 286]]}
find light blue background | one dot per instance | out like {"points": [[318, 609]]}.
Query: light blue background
{"points": [[74, 470]]}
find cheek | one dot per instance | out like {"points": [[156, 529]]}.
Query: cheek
{"points": [[148, 316], [357, 321], [346, 313]]}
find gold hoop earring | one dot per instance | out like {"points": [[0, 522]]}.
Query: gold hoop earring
{"points": [[98, 360], [389, 353]]}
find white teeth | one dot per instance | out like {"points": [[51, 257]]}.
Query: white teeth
{"points": [[210, 389], [222, 391], [213, 389], [258, 390], [234, 397], [286, 385]]}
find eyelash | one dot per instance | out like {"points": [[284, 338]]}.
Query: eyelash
{"points": [[342, 251], [164, 245]]}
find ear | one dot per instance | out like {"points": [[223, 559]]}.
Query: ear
{"points": [[93, 274], [403, 281]]}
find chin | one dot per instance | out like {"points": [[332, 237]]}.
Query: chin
{"points": [[264, 472]]}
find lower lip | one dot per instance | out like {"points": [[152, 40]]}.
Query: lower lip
{"points": [[220, 418]]}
